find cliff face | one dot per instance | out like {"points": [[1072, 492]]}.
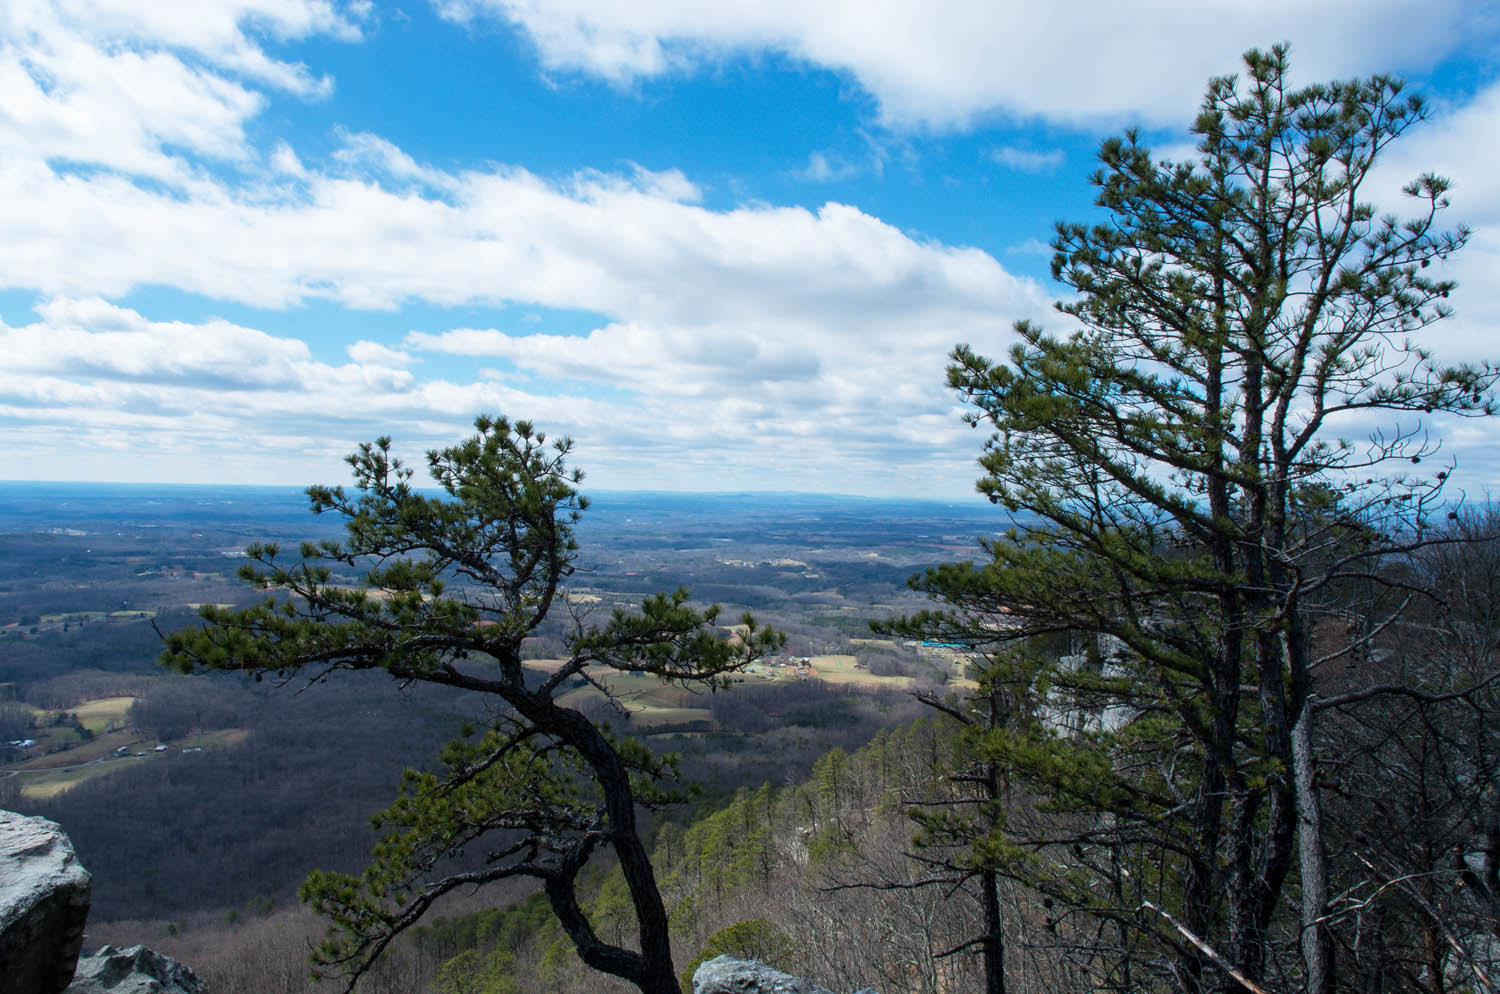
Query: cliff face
{"points": [[44, 903]]}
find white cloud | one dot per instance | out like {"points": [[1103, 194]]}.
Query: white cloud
{"points": [[367, 156], [942, 63], [621, 245], [114, 83], [1462, 143], [374, 354], [741, 347], [219, 402], [1031, 246], [91, 339], [95, 338], [758, 346], [285, 161], [1028, 160], [821, 168], [222, 32]]}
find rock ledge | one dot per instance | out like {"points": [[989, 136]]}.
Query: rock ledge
{"points": [[136, 970], [728, 975], [44, 902]]}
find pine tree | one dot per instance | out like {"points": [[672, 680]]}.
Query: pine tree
{"points": [[451, 586], [1187, 507]]}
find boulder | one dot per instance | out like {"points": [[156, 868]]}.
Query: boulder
{"points": [[44, 902], [136, 970], [729, 975]]}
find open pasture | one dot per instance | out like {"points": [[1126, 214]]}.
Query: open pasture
{"points": [[650, 702], [47, 776], [841, 669], [98, 716]]}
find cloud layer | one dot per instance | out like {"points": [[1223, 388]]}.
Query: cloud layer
{"points": [[759, 346], [943, 63]]}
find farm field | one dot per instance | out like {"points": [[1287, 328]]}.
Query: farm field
{"points": [[841, 669], [653, 704], [66, 755], [99, 716], [56, 735], [650, 703], [88, 762]]}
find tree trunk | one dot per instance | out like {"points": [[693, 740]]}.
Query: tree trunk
{"points": [[1317, 940], [994, 935]]}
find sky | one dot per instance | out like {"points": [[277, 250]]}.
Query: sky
{"points": [[724, 246]]}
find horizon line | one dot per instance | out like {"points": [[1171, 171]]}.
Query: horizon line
{"points": [[435, 489]]}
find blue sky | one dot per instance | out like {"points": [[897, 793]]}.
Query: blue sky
{"points": [[724, 246]]}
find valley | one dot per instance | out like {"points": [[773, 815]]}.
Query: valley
{"points": [[266, 782]]}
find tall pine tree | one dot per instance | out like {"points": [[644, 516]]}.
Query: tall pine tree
{"points": [[1187, 506]]}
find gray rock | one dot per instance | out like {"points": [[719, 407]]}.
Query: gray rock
{"points": [[136, 970], [44, 902], [728, 975]]}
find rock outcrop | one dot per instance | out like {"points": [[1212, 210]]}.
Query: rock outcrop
{"points": [[136, 970], [44, 902], [728, 975]]}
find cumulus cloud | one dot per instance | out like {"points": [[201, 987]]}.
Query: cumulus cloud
{"points": [[622, 245], [1461, 143], [203, 401], [943, 63], [219, 402], [93, 339], [111, 83], [753, 338], [375, 354]]}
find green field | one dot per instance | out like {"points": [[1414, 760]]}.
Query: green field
{"points": [[652, 703], [47, 776], [45, 785], [98, 716], [62, 758]]}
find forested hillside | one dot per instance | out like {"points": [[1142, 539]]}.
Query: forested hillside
{"points": [[813, 876]]}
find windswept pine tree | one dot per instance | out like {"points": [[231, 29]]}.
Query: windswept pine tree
{"points": [[451, 585]]}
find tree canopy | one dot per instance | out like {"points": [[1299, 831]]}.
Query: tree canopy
{"points": [[444, 589], [1191, 513]]}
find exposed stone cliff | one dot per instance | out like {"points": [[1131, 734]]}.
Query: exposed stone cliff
{"points": [[44, 903]]}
